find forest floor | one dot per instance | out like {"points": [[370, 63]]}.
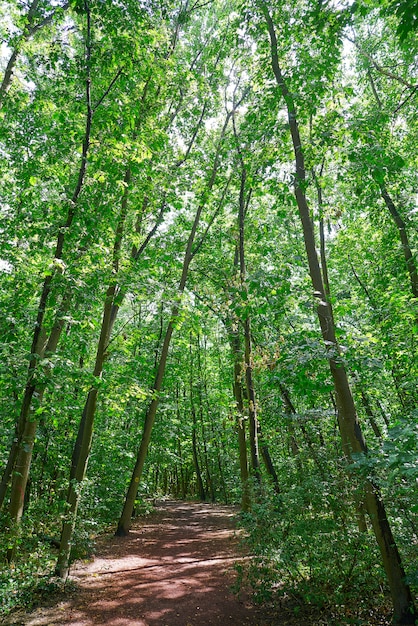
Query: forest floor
{"points": [[175, 568]]}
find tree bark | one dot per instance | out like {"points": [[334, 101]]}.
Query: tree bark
{"points": [[406, 248], [126, 515], [83, 441], [195, 448], [25, 431], [370, 415], [252, 402], [268, 462], [234, 340], [200, 486], [208, 472], [26, 425], [8, 74], [351, 434]]}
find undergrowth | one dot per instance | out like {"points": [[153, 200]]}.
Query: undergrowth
{"points": [[308, 555], [29, 580]]}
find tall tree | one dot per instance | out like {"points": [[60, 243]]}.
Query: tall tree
{"points": [[26, 427], [351, 434], [125, 519]]}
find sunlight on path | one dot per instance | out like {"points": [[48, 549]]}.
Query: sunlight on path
{"points": [[174, 569]]}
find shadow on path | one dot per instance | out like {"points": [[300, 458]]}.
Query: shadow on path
{"points": [[175, 568]]}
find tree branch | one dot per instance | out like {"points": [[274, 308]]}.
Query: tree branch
{"points": [[381, 69]]}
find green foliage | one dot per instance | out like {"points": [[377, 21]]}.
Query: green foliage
{"points": [[28, 581], [309, 550], [406, 12], [161, 79]]}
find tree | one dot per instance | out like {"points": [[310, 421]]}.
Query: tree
{"points": [[125, 519], [168, 308], [351, 434]]}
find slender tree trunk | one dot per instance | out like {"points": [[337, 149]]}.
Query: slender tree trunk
{"points": [[182, 478], [370, 415], [195, 448], [26, 425], [234, 340], [38, 393], [200, 486], [406, 248], [82, 445], [208, 472], [383, 413], [8, 74], [210, 414], [179, 448], [351, 434], [219, 462], [125, 518], [290, 411], [21, 450], [113, 301], [252, 403], [271, 470], [29, 30], [209, 477], [323, 256], [241, 359]]}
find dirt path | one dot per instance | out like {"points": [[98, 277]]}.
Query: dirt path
{"points": [[175, 568]]}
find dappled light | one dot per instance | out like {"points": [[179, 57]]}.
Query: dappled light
{"points": [[209, 312], [177, 567]]}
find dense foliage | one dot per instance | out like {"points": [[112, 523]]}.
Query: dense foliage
{"points": [[155, 283]]}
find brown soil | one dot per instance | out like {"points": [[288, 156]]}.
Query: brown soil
{"points": [[175, 568]]}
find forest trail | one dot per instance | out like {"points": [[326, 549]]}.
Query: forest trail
{"points": [[175, 568]]}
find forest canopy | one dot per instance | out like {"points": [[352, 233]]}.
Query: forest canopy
{"points": [[209, 286]]}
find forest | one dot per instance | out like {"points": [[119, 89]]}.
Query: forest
{"points": [[209, 285]]}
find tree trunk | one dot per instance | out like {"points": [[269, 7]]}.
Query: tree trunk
{"points": [[125, 518], [406, 248], [271, 470], [370, 415], [83, 441], [8, 74], [29, 30], [200, 486], [26, 425], [351, 434], [234, 340], [252, 403], [83, 444], [195, 448], [38, 392], [215, 437], [20, 455], [209, 477]]}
